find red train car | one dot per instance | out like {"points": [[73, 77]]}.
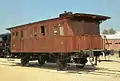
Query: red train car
{"points": [[69, 36]]}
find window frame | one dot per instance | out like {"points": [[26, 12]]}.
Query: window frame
{"points": [[17, 34], [13, 35], [55, 30], [42, 30], [47, 30], [22, 34]]}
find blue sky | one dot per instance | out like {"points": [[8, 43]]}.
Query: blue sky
{"points": [[16, 12]]}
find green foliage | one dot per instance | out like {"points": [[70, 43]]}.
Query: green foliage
{"points": [[109, 31], [112, 31], [105, 31]]}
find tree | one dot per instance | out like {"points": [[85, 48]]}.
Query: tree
{"points": [[112, 31], [109, 31], [105, 31]]}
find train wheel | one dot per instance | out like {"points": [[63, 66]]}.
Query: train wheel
{"points": [[24, 60], [41, 60], [61, 65], [81, 61], [7, 52]]}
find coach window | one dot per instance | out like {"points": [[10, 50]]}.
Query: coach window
{"points": [[43, 30], [108, 43], [97, 26], [13, 35], [35, 31], [16, 35], [22, 35], [61, 29], [31, 33], [117, 43], [55, 30], [47, 30]]}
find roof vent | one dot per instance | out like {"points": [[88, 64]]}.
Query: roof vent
{"points": [[65, 14]]}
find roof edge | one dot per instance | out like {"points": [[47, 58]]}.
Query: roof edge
{"points": [[68, 15], [32, 23]]}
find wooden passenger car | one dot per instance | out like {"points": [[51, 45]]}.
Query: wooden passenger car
{"points": [[4, 44], [66, 35]]}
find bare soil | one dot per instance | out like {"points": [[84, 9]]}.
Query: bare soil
{"points": [[11, 70]]}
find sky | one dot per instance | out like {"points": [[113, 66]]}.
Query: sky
{"points": [[17, 12]]}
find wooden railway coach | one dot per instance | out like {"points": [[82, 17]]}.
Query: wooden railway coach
{"points": [[65, 39], [4, 44]]}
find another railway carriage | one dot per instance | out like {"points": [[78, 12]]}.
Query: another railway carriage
{"points": [[4, 44], [65, 39]]}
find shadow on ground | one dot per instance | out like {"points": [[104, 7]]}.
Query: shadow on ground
{"points": [[53, 66], [88, 69], [110, 61]]}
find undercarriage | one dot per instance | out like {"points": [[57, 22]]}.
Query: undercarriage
{"points": [[63, 60]]}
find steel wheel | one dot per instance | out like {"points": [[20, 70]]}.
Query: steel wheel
{"points": [[61, 65], [41, 60], [24, 60]]}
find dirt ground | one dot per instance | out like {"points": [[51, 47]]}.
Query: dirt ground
{"points": [[104, 71]]}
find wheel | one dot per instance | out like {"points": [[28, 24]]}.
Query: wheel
{"points": [[61, 65], [81, 61], [2, 56], [6, 52], [24, 60], [41, 60]]}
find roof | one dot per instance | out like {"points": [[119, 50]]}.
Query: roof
{"points": [[31, 23], [99, 17], [84, 15], [69, 15]]}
